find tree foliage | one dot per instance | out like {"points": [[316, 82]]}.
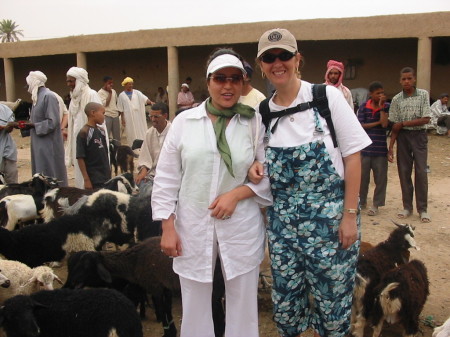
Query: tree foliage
{"points": [[9, 31]]}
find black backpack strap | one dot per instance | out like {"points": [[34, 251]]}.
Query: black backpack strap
{"points": [[264, 110], [320, 101], [268, 115]]}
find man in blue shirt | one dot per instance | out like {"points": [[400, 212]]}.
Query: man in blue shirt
{"points": [[373, 116]]}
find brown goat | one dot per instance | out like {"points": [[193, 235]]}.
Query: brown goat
{"points": [[400, 297], [372, 264]]}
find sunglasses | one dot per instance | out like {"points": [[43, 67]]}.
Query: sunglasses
{"points": [[235, 79], [270, 58]]}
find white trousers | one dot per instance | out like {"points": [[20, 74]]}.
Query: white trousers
{"points": [[241, 307]]}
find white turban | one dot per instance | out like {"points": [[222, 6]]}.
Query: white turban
{"points": [[82, 79], [35, 80]]}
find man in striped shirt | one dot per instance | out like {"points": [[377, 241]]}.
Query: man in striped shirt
{"points": [[373, 116]]}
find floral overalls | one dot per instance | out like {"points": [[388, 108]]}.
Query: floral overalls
{"points": [[313, 278]]}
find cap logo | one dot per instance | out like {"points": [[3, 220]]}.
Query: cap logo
{"points": [[274, 36]]}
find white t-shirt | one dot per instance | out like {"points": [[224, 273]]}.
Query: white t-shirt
{"points": [[350, 135], [253, 98]]}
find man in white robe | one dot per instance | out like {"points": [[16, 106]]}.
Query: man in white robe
{"points": [[131, 103], [80, 94], [334, 77]]}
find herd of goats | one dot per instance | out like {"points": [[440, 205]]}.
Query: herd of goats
{"points": [[44, 225]]}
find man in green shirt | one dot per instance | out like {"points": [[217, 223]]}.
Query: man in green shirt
{"points": [[410, 111]]}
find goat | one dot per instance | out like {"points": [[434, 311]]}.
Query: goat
{"points": [[143, 264], [21, 203], [57, 201], [47, 242], [132, 213], [371, 266], [75, 313], [25, 280], [400, 297], [123, 183], [121, 156], [17, 209], [37, 186], [135, 293]]}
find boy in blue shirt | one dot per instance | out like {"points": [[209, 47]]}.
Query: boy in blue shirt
{"points": [[373, 116]]}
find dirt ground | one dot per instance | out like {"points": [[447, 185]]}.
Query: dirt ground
{"points": [[433, 239]]}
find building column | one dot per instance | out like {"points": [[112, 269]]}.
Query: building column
{"points": [[173, 78], [424, 63], [10, 83], [81, 60]]}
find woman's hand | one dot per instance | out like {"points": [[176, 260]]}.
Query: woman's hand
{"points": [[170, 241], [348, 230], [256, 172], [224, 205]]}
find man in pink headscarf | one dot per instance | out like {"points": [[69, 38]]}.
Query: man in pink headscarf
{"points": [[334, 77]]}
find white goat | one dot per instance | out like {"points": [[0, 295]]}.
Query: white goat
{"points": [[25, 280], [16, 209]]}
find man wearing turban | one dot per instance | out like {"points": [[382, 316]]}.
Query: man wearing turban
{"points": [[47, 145], [131, 103], [80, 94], [334, 77]]}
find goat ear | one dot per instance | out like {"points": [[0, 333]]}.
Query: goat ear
{"points": [[38, 305], [104, 274]]}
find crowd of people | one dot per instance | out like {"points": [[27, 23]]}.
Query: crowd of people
{"points": [[219, 163]]}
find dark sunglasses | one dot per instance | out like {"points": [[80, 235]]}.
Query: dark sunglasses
{"points": [[235, 79], [270, 58]]}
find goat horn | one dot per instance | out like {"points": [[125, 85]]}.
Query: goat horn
{"points": [[58, 279], [397, 224]]}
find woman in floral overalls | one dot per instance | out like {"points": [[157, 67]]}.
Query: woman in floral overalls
{"points": [[313, 229]]}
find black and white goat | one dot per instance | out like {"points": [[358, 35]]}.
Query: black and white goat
{"points": [[58, 200], [400, 297], [132, 213], [143, 264], [48, 242], [372, 265], [75, 313], [21, 203]]}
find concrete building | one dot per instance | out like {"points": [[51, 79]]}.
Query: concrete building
{"points": [[372, 48]]}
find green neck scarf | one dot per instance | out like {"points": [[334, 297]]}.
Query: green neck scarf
{"points": [[221, 124]]}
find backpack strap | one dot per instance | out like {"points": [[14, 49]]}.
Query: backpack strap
{"points": [[268, 115], [320, 101]]}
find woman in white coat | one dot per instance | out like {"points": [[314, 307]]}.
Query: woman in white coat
{"points": [[207, 206]]}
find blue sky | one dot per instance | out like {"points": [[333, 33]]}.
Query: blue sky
{"points": [[58, 18]]}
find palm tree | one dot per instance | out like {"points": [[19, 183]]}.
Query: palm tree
{"points": [[9, 31]]}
